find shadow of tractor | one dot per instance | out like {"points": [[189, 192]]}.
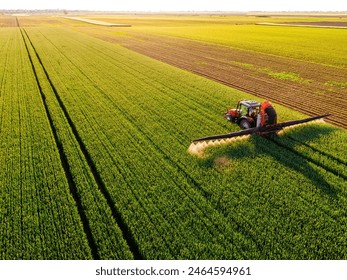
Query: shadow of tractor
{"points": [[281, 148]]}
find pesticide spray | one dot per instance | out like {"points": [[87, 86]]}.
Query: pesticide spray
{"points": [[199, 148]]}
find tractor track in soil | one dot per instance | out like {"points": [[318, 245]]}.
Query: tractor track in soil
{"points": [[244, 70], [127, 234], [63, 158]]}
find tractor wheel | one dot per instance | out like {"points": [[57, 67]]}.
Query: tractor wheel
{"points": [[245, 124]]}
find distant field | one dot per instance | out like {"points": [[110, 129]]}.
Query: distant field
{"points": [[95, 163], [316, 45]]}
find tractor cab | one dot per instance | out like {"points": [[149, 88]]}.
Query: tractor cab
{"points": [[246, 114], [248, 108]]}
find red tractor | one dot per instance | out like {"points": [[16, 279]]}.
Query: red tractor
{"points": [[250, 113], [256, 118]]}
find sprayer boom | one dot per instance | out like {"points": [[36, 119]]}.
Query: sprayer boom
{"points": [[261, 130]]}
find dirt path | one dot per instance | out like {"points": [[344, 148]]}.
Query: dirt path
{"points": [[308, 87]]}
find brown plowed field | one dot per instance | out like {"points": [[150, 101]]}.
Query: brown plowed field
{"points": [[320, 89], [8, 21]]}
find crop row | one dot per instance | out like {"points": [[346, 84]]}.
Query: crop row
{"points": [[136, 118]]}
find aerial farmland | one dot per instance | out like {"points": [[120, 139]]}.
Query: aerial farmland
{"points": [[96, 124]]}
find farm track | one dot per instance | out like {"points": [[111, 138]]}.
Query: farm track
{"points": [[39, 218], [231, 67], [104, 145], [127, 235], [62, 155]]}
